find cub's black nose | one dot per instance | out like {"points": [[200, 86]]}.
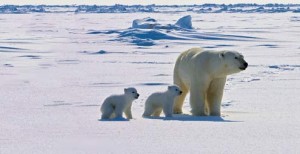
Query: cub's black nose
{"points": [[137, 96], [180, 92], [246, 65]]}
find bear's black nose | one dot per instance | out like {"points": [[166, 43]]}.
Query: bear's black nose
{"points": [[246, 65], [180, 92], [138, 95]]}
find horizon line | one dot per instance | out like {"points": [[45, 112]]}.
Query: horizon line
{"points": [[151, 4]]}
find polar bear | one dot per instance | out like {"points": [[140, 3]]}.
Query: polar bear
{"points": [[161, 101], [114, 105], [203, 74]]}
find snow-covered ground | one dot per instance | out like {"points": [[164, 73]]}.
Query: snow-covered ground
{"points": [[56, 69]]}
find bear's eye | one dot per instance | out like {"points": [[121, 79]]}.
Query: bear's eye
{"points": [[133, 92], [235, 57], [176, 89]]}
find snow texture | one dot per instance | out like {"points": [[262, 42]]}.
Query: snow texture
{"points": [[58, 66]]}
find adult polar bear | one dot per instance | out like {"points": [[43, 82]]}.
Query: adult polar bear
{"points": [[203, 73]]}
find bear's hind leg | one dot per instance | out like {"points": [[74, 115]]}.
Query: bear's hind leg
{"points": [[107, 112], [148, 110], [179, 100]]}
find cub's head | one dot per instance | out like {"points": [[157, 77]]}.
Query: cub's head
{"points": [[131, 92], [175, 90], [233, 62]]}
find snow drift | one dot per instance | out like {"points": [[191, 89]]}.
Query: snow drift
{"points": [[145, 32]]}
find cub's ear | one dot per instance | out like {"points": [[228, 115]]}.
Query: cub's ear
{"points": [[222, 55], [125, 89], [169, 87]]}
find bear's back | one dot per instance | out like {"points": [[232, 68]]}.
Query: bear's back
{"points": [[192, 59], [188, 54], [116, 99]]}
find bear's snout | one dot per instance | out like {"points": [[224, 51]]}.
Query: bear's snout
{"points": [[180, 92], [244, 66], [137, 96]]}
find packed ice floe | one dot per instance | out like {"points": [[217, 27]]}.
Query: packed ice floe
{"points": [[150, 23]]}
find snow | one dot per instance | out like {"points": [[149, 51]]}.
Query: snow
{"points": [[58, 67]]}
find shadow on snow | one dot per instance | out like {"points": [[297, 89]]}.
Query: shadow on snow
{"points": [[186, 117], [114, 119]]}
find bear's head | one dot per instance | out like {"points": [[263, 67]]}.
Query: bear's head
{"points": [[132, 93], [233, 62], [174, 90]]}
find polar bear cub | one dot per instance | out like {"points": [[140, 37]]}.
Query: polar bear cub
{"points": [[114, 105], [161, 101]]}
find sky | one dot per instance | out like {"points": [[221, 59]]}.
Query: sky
{"points": [[143, 2]]}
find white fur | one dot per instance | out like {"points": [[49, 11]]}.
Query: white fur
{"points": [[161, 101], [114, 105], [203, 73]]}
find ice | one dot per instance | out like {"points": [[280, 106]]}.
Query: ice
{"points": [[185, 22], [150, 23], [146, 23], [114, 9], [57, 66]]}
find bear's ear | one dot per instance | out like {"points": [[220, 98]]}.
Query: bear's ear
{"points": [[125, 89], [169, 87], [222, 55]]}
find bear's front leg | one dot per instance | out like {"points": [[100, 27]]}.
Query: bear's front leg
{"points": [[214, 96], [128, 112], [168, 109], [197, 100], [198, 96]]}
